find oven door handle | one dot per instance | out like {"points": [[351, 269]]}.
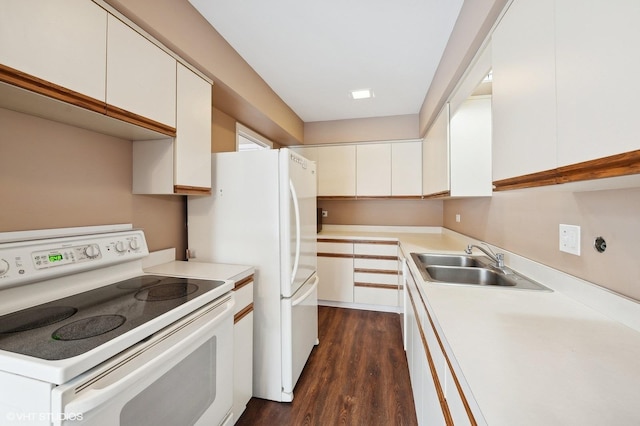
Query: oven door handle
{"points": [[91, 399]]}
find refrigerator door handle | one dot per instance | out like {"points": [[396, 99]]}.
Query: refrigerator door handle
{"points": [[303, 297], [296, 209]]}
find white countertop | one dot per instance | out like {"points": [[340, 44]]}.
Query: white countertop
{"points": [[162, 262], [530, 357]]}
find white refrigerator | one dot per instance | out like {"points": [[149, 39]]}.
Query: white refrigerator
{"points": [[262, 212]]}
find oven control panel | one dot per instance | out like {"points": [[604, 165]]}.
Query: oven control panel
{"points": [[28, 261]]}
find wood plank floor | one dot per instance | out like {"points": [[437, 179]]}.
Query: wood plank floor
{"points": [[358, 375]]}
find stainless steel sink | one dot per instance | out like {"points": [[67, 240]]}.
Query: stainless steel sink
{"points": [[434, 259], [470, 270], [459, 275]]}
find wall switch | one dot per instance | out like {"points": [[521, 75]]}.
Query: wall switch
{"points": [[325, 213], [570, 239], [458, 218]]}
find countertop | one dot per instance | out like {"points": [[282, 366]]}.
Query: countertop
{"points": [[163, 262], [530, 357]]}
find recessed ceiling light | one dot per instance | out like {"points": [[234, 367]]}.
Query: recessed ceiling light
{"points": [[361, 94]]}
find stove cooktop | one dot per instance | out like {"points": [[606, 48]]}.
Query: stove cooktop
{"points": [[76, 324]]}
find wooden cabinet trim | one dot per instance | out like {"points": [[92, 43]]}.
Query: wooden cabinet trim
{"points": [[45, 88], [366, 197], [243, 282], [437, 195], [138, 120], [624, 164], [434, 373], [352, 241], [343, 255], [374, 257], [243, 313], [191, 190], [467, 408], [376, 285], [42, 87], [376, 271]]}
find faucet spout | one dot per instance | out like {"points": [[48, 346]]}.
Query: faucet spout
{"points": [[498, 258]]}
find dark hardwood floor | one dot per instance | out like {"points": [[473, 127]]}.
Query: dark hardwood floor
{"points": [[357, 375]]}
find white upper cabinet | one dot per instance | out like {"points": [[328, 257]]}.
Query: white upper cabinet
{"points": [[470, 149], [524, 102], [406, 168], [435, 154], [141, 77], [597, 78], [337, 170], [62, 42], [373, 169], [180, 165], [193, 140]]}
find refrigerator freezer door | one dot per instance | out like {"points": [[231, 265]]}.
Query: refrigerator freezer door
{"points": [[299, 334], [298, 205]]}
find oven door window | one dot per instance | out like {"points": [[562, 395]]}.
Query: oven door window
{"points": [[182, 376], [160, 403]]}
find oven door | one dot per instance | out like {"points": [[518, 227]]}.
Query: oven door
{"points": [[181, 375]]}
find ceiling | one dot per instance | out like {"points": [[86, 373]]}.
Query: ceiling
{"points": [[312, 54]]}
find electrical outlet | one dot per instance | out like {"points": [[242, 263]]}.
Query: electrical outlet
{"points": [[458, 218], [325, 213], [570, 239]]}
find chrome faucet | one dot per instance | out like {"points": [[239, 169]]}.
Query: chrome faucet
{"points": [[496, 257]]}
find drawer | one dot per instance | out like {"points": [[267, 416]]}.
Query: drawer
{"points": [[375, 278], [386, 248], [243, 297], [377, 264], [333, 247], [376, 296]]}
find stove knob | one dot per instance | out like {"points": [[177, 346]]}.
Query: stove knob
{"points": [[134, 244], [4, 267], [92, 251], [120, 248]]}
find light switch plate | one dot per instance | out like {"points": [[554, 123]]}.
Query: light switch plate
{"points": [[570, 239]]}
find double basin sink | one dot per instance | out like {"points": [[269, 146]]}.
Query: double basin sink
{"points": [[470, 270]]}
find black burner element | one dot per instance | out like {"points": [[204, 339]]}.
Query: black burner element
{"points": [[35, 318], [88, 327], [166, 292], [76, 324]]}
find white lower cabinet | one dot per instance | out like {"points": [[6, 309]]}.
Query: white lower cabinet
{"points": [[438, 398], [375, 273], [335, 270], [363, 273], [242, 346]]}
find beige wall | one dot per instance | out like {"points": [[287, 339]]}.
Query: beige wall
{"points": [[238, 90], [383, 212], [526, 223], [362, 129], [223, 132], [53, 175], [476, 19]]}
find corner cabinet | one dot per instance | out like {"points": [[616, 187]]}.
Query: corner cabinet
{"points": [[437, 390], [180, 165]]}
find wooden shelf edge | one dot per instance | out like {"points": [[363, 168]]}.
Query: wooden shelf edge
{"points": [[191, 190]]}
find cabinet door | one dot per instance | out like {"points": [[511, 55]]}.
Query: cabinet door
{"points": [[470, 148], [406, 168], [435, 152], [63, 42], [193, 139], [336, 279], [337, 170], [597, 78], [373, 169], [141, 77], [524, 103]]}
